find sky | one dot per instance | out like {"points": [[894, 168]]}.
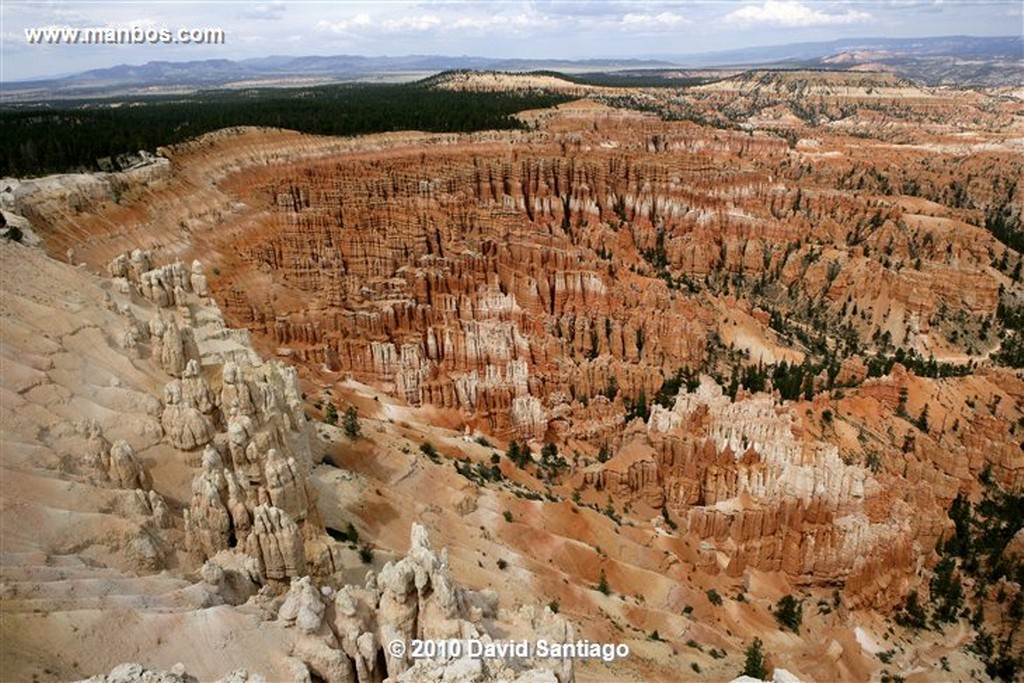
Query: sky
{"points": [[557, 29]]}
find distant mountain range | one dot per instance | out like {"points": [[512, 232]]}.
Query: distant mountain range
{"points": [[945, 60], [957, 60], [1008, 47]]}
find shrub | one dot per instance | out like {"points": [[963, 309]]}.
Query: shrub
{"points": [[351, 423], [331, 414], [714, 598], [789, 613], [366, 554], [912, 615], [947, 591], [602, 584], [754, 664], [428, 450], [519, 454], [922, 419], [668, 520]]}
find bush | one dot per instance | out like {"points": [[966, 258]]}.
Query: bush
{"points": [[789, 613], [912, 615], [714, 598], [428, 450], [754, 664], [507, 514], [922, 419], [519, 454], [947, 591], [554, 606], [602, 584], [351, 422], [366, 554], [331, 414], [668, 520]]}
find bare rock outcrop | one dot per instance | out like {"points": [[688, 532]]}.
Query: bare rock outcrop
{"points": [[137, 673], [303, 606], [198, 279], [346, 634], [276, 542], [173, 356], [195, 390], [285, 484], [250, 491], [124, 469], [187, 428], [742, 478]]}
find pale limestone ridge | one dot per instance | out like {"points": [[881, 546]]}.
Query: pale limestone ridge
{"points": [[92, 485], [97, 466], [250, 491]]}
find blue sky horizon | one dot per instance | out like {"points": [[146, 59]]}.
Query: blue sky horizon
{"points": [[530, 29]]}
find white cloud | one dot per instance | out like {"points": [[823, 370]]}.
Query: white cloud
{"points": [[500, 21], [792, 14], [423, 22], [664, 20], [344, 26], [445, 22], [270, 11]]}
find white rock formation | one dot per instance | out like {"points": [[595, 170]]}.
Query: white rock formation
{"points": [[186, 426], [413, 598]]}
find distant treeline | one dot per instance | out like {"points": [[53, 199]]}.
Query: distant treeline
{"points": [[70, 136]]}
